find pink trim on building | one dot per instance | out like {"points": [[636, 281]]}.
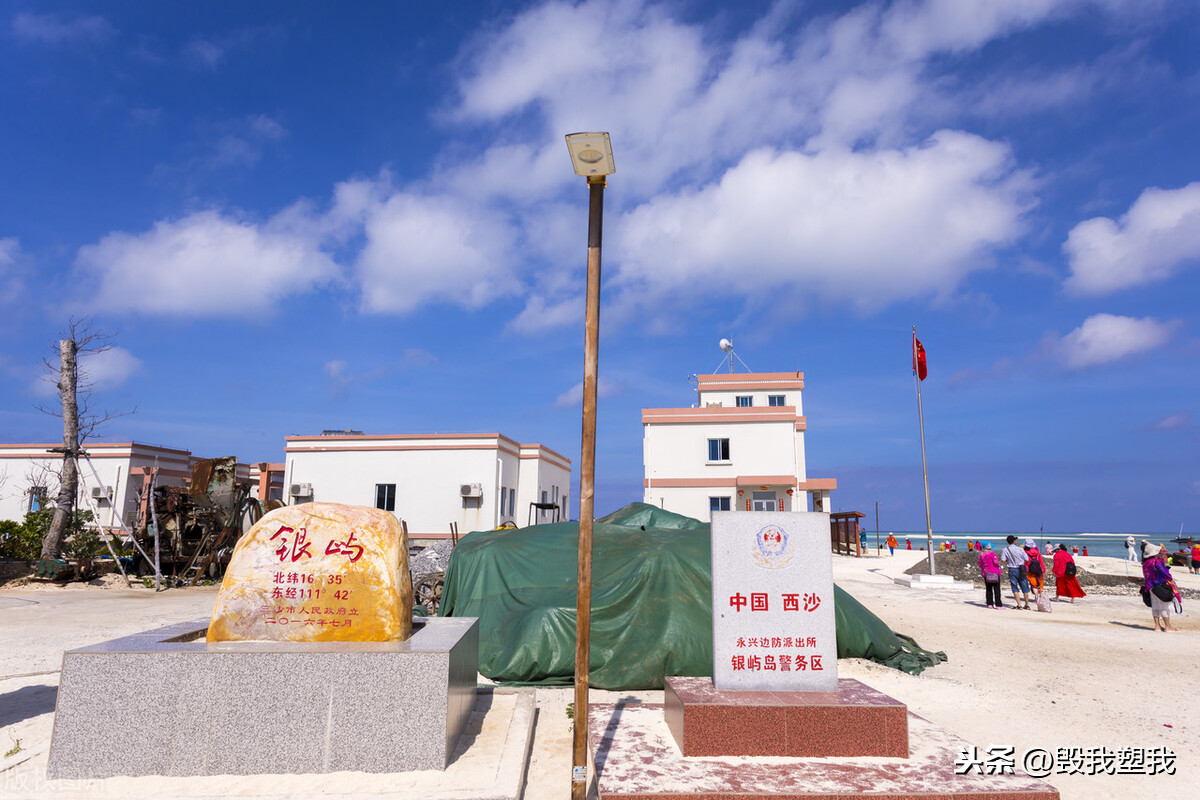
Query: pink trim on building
{"points": [[738, 381], [489, 441], [684, 416]]}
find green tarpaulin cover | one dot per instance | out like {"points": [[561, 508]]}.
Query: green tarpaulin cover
{"points": [[651, 603]]}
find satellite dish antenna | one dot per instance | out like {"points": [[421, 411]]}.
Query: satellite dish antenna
{"points": [[726, 346]]}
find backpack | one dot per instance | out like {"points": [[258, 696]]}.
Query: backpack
{"points": [[1035, 567], [1070, 570]]}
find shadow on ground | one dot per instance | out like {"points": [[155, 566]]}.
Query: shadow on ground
{"points": [[26, 702]]}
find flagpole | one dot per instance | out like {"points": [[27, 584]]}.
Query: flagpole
{"points": [[924, 463]]}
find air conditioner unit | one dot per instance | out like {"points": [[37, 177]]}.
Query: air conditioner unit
{"points": [[101, 492], [301, 490], [470, 490]]}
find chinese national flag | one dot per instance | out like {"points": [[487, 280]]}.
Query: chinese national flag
{"points": [[919, 358]]}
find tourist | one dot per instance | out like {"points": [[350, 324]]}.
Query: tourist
{"points": [[1085, 549], [1196, 558], [1075, 549], [1018, 579], [1065, 583], [891, 543], [990, 568], [1049, 549], [1035, 568], [908, 543], [1131, 551], [1158, 574]]}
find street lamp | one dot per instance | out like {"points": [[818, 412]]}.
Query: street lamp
{"points": [[591, 155]]}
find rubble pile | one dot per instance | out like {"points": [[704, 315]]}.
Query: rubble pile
{"points": [[434, 558]]}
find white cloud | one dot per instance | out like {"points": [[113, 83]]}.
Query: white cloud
{"points": [[205, 264], [204, 53], [341, 376], [1174, 422], [540, 315], [678, 101], [109, 368], [9, 247], [50, 29], [230, 144], [1157, 236], [1104, 338], [434, 249], [867, 228], [106, 369], [574, 396], [209, 53], [10, 280], [779, 162]]}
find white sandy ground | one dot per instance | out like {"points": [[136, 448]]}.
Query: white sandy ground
{"points": [[1088, 675]]}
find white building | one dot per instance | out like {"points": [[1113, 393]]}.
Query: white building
{"points": [[741, 447], [29, 477], [476, 481]]}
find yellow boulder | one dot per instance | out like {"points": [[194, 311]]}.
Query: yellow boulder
{"points": [[317, 572]]}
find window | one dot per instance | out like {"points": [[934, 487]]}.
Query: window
{"points": [[385, 496], [718, 449], [37, 498], [512, 502], [503, 497], [718, 504], [775, 400], [745, 401], [764, 501]]}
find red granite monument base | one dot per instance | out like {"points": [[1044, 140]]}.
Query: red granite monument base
{"points": [[636, 758], [856, 720]]}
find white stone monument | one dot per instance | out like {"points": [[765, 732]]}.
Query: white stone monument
{"points": [[773, 616]]}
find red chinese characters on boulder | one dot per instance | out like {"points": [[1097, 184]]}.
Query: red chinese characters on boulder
{"points": [[317, 572], [299, 547], [347, 548]]}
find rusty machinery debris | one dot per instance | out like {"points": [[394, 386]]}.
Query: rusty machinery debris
{"points": [[198, 524]]}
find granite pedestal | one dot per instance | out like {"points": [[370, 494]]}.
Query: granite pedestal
{"points": [[165, 702], [856, 720]]}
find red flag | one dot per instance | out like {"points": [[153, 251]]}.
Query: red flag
{"points": [[919, 358]]}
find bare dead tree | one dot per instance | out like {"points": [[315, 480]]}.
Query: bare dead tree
{"points": [[79, 422]]}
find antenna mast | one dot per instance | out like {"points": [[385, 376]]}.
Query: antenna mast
{"points": [[726, 346]]}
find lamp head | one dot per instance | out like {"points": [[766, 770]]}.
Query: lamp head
{"points": [[591, 154]]}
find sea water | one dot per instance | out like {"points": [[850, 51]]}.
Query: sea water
{"points": [[1111, 545]]}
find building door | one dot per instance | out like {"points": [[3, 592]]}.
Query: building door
{"points": [[764, 501]]}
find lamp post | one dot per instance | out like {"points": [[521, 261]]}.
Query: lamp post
{"points": [[591, 155]]}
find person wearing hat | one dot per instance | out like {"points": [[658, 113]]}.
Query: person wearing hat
{"points": [[990, 567], [1196, 558], [1131, 551], [1065, 583], [1157, 574], [1035, 568], [1018, 578]]}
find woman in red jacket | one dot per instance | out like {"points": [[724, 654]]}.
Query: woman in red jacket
{"points": [[1065, 582]]}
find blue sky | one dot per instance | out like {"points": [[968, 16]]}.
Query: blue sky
{"points": [[299, 216]]}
